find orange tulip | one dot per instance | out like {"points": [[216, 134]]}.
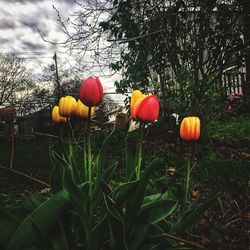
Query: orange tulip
{"points": [[67, 106], [144, 108], [56, 116], [82, 110], [190, 128]]}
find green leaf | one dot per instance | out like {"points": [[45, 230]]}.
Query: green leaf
{"points": [[116, 226], [98, 234], [190, 216], [59, 239], [140, 230], [10, 219], [79, 199], [150, 213], [100, 162], [105, 188], [30, 203], [109, 172], [124, 191], [160, 209], [56, 176], [129, 159], [135, 202], [151, 198], [43, 217]]}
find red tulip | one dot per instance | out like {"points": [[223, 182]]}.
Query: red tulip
{"points": [[91, 92], [148, 109], [144, 108]]}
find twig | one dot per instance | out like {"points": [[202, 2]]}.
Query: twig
{"points": [[233, 221], [184, 241], [26, 176], [48, 135]]}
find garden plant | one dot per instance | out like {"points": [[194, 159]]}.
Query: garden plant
{"points": [[87, 207]]}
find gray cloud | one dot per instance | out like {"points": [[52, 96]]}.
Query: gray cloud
{"points": [[32, 46], [7, 23], [35, 1], [32, 24], [4, 40]]}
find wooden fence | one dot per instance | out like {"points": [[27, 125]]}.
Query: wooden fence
{"points": [[227, 83]]}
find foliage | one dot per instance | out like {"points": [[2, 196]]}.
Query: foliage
{"points": [[230, 127], [186, 42]]}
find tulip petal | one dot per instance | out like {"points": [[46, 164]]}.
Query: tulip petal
{"points": [[56, 116], [197, 128], [82, 111], [135, 96]]}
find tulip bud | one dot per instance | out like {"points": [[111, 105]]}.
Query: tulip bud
{"points": [[67, 106], [82, 110], [190, 128], [56, 116], [91, 92]]}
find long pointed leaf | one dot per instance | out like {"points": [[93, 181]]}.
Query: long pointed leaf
{"points": [[98, 234], [10, 219], [135, 202], [116, 226], [44, 217], [189, 217], [100, 162]]}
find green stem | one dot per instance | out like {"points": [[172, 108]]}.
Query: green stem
{"points": [[85, 151], [69, 141], [89, 153], [187, 179], [139, 151]]}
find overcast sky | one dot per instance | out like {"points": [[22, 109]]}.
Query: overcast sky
{"points": [[19, 20]]}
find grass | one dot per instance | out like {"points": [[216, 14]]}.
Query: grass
{"points": [[230, 127]]}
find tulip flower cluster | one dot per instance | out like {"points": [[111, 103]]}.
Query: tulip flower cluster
{"points": [[90, 95], [69, 107]]}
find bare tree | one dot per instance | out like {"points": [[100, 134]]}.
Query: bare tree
{"points": [[14, 79], [85, 37]]}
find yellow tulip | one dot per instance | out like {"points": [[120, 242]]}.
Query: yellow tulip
{"points": [[56, 116], [67, 106], [82, 110]]}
